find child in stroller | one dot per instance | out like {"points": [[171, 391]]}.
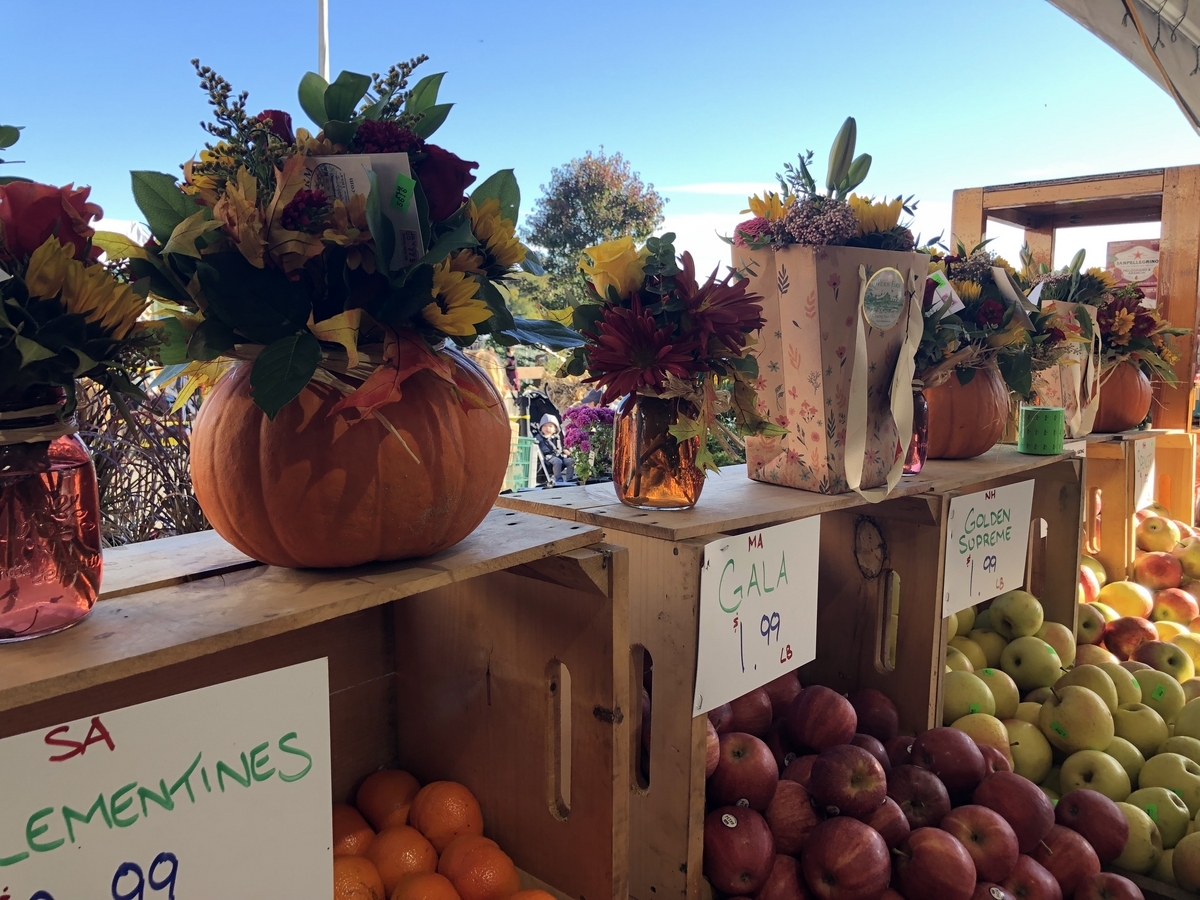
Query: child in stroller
{"points": [[557, 460]]}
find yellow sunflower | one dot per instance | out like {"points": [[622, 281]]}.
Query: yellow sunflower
{"points": [[48, 268], [94, 294], [497, 234], [966, 290], [873, 216], [456, 309], [769, 206]]}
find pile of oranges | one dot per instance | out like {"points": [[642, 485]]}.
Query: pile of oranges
{"points": [[407, 842]]}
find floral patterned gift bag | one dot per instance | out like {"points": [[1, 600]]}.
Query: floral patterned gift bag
{"points": [[1074, 382]]}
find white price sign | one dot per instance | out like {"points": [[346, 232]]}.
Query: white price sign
{"points": [[987, 542], [1143, 472], [219, 792], [758, 610]]}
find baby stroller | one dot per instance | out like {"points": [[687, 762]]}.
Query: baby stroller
{"points": [[532, 404]]}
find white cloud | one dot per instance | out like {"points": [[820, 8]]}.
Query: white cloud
{"points": [[698, 234]]}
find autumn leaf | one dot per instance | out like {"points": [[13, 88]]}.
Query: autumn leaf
{"points": [[183, 238], [403, 356], [340, 329], [238, 212]]}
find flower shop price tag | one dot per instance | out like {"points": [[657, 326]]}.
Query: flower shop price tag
{"points": [[758, 610], [987, 542], [219, 792]]}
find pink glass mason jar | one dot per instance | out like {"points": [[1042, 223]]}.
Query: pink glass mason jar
{"points": [[918, 447]]}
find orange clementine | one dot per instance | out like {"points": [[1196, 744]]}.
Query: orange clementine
{"points": [[483, 872], [444, 810], [356, 878], [533, 894], [385, 797], [458, 850], [426, 886], [351, 833], [399, 851]]}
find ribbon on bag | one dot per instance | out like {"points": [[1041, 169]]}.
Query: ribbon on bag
{"points": [[900, 395], [1089, 382]]}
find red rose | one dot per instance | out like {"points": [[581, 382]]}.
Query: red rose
{"points": [[444, 178], [30, 213], [989, 314], [281, 124]]}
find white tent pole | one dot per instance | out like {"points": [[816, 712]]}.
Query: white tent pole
{"points": [[323, 38]]}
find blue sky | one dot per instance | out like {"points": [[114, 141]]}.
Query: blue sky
{"points": [[703, 97]]}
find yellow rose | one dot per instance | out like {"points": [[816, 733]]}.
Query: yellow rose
{"points": [[614, 263]]}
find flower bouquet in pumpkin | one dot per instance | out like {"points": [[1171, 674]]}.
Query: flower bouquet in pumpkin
{"points": [[678, 352], [323, 282]]}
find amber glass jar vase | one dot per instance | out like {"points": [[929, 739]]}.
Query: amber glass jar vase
{"points": [[651, 469], [50, 560]]}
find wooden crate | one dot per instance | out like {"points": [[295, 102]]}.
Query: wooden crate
{"points": [[857, 614], [502, 663]]}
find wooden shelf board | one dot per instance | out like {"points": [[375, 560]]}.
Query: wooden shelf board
{"points": [[138, 567], [148, 629]]}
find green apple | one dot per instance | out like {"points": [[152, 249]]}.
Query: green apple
{"points": [[1031, 754], [1097, 567], [1141, 726], [1038, 695], [965, 693], [1053, 780], [986, 730], [1176, 772], [1076, 718], [1191, 689], [1028, 711], [983, 620], [1031, 663], [990, 643], [1060, 638], [1143, 848], [1169, 813], [1162, 693], [1050, 793], [1184, 746], [1187, 720], [952, 624], [1096, 771], [966, 621], [970, 650], [1165, 870], [1091, 624], [1129, 756], [1016, 614], [1128, 688], [1094, 678], [1003, 689], [1186, 862], [956, 660]]}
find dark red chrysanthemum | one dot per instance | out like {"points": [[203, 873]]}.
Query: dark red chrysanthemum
{"points": [[385, 137], [632, 352], [1057, 335], [718, 309], [990, 313], [307, 212]]}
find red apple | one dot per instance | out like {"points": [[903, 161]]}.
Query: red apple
{"points": [[799, 769], [1090, 584], [781, 745], [845, 859], [1108, 886], [1021, 803], [821, 718], [1068, 857], [872, 746], [1174, 605], [751, 713], [746, 775], [891, 823], [1157, 570], [877, 714], [1123, 635], [985, 890], [739, 850], [920, 794], [994, 760], [782, 691], [952, 756], [932, 863], [791, 816], [890, 894], [1097, 819], [899, 750], [848, 781], [988, 838], [712, 750], [1029, 881], [785, 881], [721, 717]]}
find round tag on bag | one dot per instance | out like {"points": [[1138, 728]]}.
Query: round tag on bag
{"points": [[883, 300]]}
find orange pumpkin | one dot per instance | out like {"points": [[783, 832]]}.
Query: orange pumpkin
{"points": [[966, 420], [1124, 398], [313, 490]]}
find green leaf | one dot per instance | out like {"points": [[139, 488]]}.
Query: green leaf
{"points": [[210, 339], [260, 303], [341, 97], [380, 226], [1017, 371], [10, 179], [586, 317], [532, 263], [341, 132], [85, 364], [432, 119], [422, 203], [31, 351], [171, 341], [9, 135], [424, 95], [312, 98], [168, 374], [501, 186], [542, 333], [161, 201], [375, 110], [502, 318], [282, 370], [407, 299], [183, 238], [457, 238]]}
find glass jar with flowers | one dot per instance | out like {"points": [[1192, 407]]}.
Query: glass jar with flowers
{"points": [[676, 353]]}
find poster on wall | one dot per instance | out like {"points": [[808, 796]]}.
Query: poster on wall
{"points": [[1136, 262]]}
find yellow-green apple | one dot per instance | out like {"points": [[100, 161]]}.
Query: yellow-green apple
{"points": [[1076, 718], [1165, 870], [1129, 756], [1049, 792], [1158, 571], [1021, 803], [1186, 862], [1188, 554], [877, 714], [966, 621], [1154, 508], [1067, 856], [1053, 779], [970, 650], [1126, 598], [920, 795], [957, 660], [1175, 772], [1004, 690], [1096, 771], [847, 781], [1037, 695], [1030, 881], [1031, 753], [1016, 614], [1187, 720], [1097, 567], [990, 643], [1141, 726], [1169, 812], [1143, 848], [1124, 636], [746, 775], [1089, 584], [989, 840], [1096, 679], [1093, 655], [1060, 638], [1128, 689], [1090, 624], [1156, 533], [739, 850], [1028, 711], [1110, 614], [951, 625], [1165, 657], [986, 731], [1168, 631], [1132, 665], [1184, 746], [1190, 642], [1097, 819], [1191, 689], [1031, 663], [1162, 693], [933, 863], [983, 620], [950, 755], [1174, 605], [965, 693]]}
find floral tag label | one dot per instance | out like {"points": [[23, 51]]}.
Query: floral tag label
{"points": [[402, 195], [943, 291], [4, 276], [883, 301]]}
